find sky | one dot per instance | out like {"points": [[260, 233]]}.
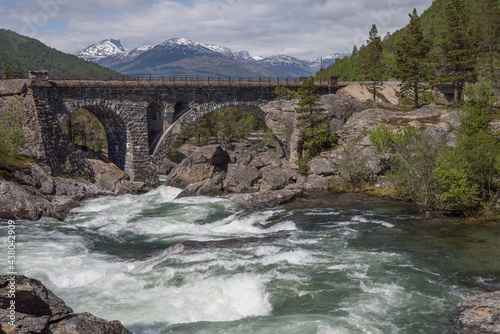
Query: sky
{"points": [[299, 28]]}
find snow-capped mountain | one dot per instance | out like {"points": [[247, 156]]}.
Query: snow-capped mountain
{"points": [[315, 63], [103, 49], [183, 56]]}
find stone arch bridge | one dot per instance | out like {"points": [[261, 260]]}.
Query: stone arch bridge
{"points": [[142, 119]]}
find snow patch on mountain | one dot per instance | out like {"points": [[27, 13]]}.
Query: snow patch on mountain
{"points": [[103, 49], [110, 53]]}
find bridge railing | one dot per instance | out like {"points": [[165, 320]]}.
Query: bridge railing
{"points": [[176, 78]]}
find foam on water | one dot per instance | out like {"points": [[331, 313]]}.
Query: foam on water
{"points": [[327, 271]]}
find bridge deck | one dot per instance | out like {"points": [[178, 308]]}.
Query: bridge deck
{"points": [[180, 84], [173, 81]]}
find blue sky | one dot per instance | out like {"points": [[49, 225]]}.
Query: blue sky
{"points": [[300, 28]]}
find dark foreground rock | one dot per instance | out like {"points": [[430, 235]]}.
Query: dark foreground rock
{"points": [[194, 244], [39, 311], [479, 315], [268, 198]]}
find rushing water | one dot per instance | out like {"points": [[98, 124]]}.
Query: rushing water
{"points": [[334, 264]]}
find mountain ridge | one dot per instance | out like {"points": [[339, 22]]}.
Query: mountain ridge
{"points": [[184, 56]]}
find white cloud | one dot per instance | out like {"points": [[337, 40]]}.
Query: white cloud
{"points": [[300, 28]]}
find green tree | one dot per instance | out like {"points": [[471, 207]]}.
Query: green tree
{"points": [[412, 160], [488, 21], [315, 134], [310, 105], [372, 59], [412, 52], [11, 135], [458, 48], [283, 93]]}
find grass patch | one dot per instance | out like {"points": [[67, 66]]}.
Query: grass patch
{"points": [[13, 163], [381, 192], [404, 121]]}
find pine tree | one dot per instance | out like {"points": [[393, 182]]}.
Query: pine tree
{"points": [[372, 57], [309, 105], [315, 134], [458, 47], [488, 23], [412, 52]]}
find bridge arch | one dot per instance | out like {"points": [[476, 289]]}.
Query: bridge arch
{"points": [[192, 115], [116, 133]]}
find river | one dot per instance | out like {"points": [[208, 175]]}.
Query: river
{"points": [[327, 264]]}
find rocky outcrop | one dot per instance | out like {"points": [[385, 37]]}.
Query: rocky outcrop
{"points": [[281, 118], [203, 164], [355, 150], [267, 170], [479, 315], [36, 309], [34, 193]]}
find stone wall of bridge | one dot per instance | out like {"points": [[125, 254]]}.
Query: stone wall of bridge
{"points": [[123, 111]]}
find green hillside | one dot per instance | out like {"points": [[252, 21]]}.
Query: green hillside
{"points": [[24, 54], [433, 23]]}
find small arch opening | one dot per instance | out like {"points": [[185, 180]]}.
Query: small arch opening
{"points": [[155, 117], [180, 109]]}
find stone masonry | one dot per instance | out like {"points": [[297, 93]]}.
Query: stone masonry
{"points": [[123, 110]]}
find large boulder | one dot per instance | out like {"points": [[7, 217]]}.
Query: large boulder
{"points": [[322, 166], [268, 198], [107, 175], [36, 309], [479, 315], [209, 187], [276, 178], [241, 178], [203, 164], [24, 202]]}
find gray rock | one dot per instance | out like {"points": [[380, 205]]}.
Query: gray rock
{"points": [[39, 310], [203, 164], [24, 202], [268, 198], [314, 183], [245, 159], [167, 166], [210, 187], [86, 323], [78, 188], [323, 167], [107, 175], [240, 178], [24, 178], [338, 107], [479, 315], [42, 174], [274, 178]]}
